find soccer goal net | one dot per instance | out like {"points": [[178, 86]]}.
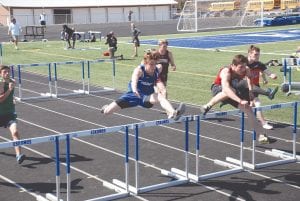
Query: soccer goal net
{"points": [[199, 15]]}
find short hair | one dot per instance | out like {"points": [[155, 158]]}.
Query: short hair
{"points": [[152, 55], [253, 48], [163, 41], [2, 67], [239, 59]]}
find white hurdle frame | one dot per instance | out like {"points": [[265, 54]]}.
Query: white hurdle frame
{"points": [[285, 157], [288, 66], [179, 180], [42, 95], [105, 89], [233, 168], [121, 193], [75, 92]]}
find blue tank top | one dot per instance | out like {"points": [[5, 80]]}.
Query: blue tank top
{"points": [[146, 82]]}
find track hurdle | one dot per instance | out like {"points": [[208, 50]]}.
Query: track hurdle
{"points": [[20, 96], [66, 91], [233, 169], [96, 33], [178, 180], [286, 157], [121, 193], [289, 64], [104, 89]]}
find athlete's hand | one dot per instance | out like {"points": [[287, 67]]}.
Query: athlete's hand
{"points": [[244, 102], [11, 86], [137, 94]]}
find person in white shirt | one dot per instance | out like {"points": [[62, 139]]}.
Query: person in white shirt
{"points": [[43, 19], [14, 30]]}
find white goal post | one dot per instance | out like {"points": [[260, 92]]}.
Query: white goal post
{"points": [[200, 15]]}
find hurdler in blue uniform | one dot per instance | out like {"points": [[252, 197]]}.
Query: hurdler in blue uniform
{"points": [[141, 90]]}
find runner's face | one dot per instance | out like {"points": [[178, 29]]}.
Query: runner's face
{"points": [[240, 69], [5, 74], [253, 56], [150, 66], [163, 46]]}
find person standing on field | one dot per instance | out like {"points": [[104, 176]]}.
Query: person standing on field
{"points": [[14, 30], [165, 58]]}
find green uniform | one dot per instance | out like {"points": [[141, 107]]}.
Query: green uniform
{"points": [[8, 106]]}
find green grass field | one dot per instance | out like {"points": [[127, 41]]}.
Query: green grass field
{"points": [[191, 81]]}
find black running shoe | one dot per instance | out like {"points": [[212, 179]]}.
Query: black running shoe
{"points": [[20, 158], [272, 93], [179, 112], [204, 110]]}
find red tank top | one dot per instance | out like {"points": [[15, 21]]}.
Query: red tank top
{"points": [[218, 79]]}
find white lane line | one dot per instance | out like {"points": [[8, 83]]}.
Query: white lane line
{"points": [[22, 189]]}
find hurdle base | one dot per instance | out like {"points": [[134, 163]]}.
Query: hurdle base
{"points": [[41, 198], [42, 96], [105, 89], [75, 93], [121, 193], [263, 165], [180, 180], [52, 197], [113, 187], [212, 175], [281, 154], [245, 164]]}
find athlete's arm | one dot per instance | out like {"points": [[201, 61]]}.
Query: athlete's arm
{"points": [[225, 82], [173, 66], [134, 80], [270, 74], [4, 95]]}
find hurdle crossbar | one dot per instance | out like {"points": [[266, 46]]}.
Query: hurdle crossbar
{"points": [[285, 157], [75, 91], [20, 96], [105, 89]]}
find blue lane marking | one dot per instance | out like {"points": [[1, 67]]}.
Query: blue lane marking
{"points": [[226, 40]]}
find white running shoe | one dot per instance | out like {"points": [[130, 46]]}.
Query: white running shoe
{"points": [[263, 139], [267, 126], [103, 108], [178, 112]]}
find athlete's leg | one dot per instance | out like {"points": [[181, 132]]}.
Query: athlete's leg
{"points": [[161, 88], [260, 115], [111, 108], [15, 135]]}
